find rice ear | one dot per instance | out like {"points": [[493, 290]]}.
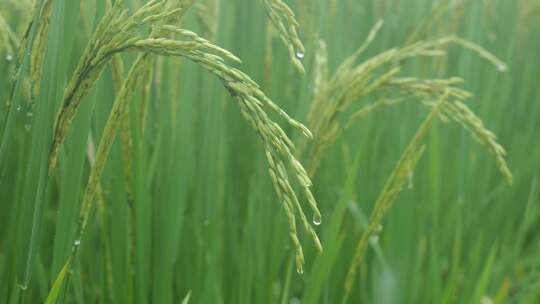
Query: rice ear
{"points": [[115, 34], [380, 76]]}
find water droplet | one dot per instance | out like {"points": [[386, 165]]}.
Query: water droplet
{"points": [[501, 67], [18, 108], [77, 243], [317, 220], [299, 55], [374, 239], [9, 57], [411, 180], [486, 300], [295, 301], [28, 124]]}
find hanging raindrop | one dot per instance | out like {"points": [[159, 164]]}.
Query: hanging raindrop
{"points": [[317, 220], [28, 124], [374, 239], [502, 67]]}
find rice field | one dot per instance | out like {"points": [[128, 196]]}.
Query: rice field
{"points": [[272, 151]]}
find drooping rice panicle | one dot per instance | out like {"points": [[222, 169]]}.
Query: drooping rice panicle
{"points": [[112, 37], [115, 32], [354, 82], [119, 121], [104, 223], [366, 110], [458, 111], [284, 20], [39, 45]]}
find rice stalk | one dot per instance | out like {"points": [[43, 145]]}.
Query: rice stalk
{"points": [[103, 218], [118, 117], [113, 124], [284, 20], [118, 120], [106, 243], [117, 67], [393, 186]]}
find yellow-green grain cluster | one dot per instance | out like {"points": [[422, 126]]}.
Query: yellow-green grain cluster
{"points": [[380, 75], [457, 111], [284, 21], [116, 34], [38, 46]]}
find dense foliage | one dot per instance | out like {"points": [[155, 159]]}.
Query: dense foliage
{"points": [[269, 151]]}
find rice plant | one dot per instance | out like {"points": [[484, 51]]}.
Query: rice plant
{"points": [[182, 151]]}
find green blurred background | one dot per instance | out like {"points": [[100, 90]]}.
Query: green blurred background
{"points": [[205, 218]]}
